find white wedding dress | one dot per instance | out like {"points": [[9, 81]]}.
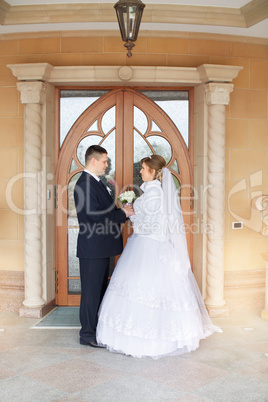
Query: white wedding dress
{"points": [[153, 306]]}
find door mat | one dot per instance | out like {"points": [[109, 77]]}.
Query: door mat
{"points": [[60, 318]]}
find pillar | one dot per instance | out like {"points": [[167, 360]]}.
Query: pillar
{"points": [[33, 97], [217, 96], [260, 203], [264, 313]]}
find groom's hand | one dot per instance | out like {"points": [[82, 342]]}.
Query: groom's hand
{"points": [[128, 210]]}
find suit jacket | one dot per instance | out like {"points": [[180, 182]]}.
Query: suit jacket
{"points": [[99, 220]]}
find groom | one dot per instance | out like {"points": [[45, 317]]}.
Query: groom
{"points": [[99, 238]]}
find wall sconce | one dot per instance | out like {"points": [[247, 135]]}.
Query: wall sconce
{"points": [[129, 13]]}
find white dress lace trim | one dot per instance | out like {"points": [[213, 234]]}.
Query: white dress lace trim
{"points": [[153, 299]]}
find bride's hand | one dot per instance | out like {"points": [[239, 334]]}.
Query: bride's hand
{"points": [[128, 209]]}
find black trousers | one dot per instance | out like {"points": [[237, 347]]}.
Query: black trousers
{"points": [[94, 278]]}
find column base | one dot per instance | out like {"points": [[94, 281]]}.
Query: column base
{"points": [[264, 315], [36, 312], [217, 312]]}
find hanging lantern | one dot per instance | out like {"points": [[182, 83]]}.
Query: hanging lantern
{"points": [[129, 13]]}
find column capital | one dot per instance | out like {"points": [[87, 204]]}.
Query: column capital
{"points": [[32, 92], [218, 93]]}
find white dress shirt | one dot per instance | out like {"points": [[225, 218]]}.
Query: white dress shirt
{"points": [[92, 174]]}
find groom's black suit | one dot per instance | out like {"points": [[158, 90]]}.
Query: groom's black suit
{"points": [[99, 239]]}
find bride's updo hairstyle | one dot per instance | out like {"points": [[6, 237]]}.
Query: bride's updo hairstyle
{"points": [[156, 162]]}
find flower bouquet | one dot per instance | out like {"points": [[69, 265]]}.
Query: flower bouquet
{"points": [[128, 197]]}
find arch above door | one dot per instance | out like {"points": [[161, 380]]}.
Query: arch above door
{"points": [[212, 89]]}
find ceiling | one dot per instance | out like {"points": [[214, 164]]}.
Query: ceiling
{"points": [[231, 17]]}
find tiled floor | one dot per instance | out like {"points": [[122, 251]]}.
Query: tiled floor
{"points": [[50, 365]]}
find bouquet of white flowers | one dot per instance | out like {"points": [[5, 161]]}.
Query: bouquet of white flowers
{"points": [[127, 197]]}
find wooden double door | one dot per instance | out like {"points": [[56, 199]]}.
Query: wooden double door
{"points": [[130, 124]]}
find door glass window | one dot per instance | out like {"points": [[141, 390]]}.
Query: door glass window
{"points": [[72, 104], [176, 106], [150, 139], [108, 120], [141, 147], [84, 144], [102, 132], [140, 120], [161, 147], [155, 127]]}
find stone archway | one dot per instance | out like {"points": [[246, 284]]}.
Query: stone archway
{"points": [[37, 87]]}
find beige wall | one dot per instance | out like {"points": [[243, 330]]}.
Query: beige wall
{"points": [[246, 126]]}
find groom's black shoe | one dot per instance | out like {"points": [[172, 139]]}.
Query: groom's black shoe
{"points": [[92, 343]]}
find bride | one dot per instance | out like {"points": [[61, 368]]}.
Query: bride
{"points": [[153, 306]]}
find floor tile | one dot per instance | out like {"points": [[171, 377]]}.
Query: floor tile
{"points": [[120, 362], [6, 372], [70, 399], [130, 389], [225, 358], [23, 359], [50, 364], [82, 351], [258, 370], [181, 374], [235, 388], [45, 337], [261, 347], [24, 389], [191, 398], [77, 375]]}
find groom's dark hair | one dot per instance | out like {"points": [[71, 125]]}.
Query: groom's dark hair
{"points": [[94, 151]]}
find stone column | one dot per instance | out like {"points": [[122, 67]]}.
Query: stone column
{"points": [[260, 203], [264, 313], [217, 96], [33, 97]]}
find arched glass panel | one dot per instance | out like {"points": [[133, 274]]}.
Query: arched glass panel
{"points": [[140, 120], [72, 104], [109, 178], [137, 180], [73, 166], [177, 184], [141, 148], [73, 261], [84, 144], [176, 106], [94, 126], [108, 120], [72, 218], [178, 111], [175, 166], [155, 127], [161, 146]]}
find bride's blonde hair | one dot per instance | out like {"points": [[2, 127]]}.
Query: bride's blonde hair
{"points": [[156, 162]]}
